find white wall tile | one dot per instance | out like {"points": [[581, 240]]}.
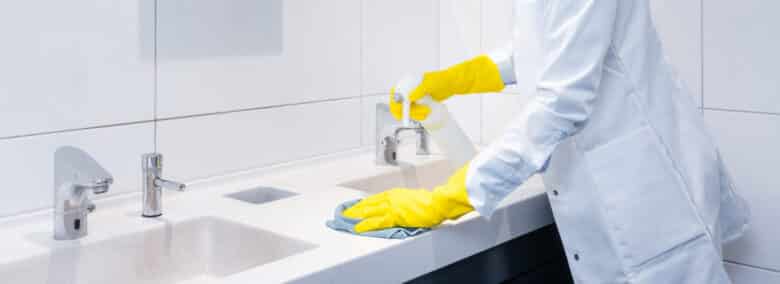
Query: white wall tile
{"points": [[497, 31], [368, 117], [74, 64], [319, 57], [459, 31], [497, 23], [205, 28], [460, 39], [749, 144], [679, 25], [498, 110], [497, 28], [399, 37], [467, 112], [741, 274], [216, 144], [740, 55], [28, 163]]}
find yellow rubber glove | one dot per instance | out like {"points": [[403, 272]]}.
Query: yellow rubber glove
{"points": [[477, 75], [417, 208]]}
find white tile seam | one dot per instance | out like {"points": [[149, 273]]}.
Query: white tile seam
{"points": [[437, 26], [701, 49], [482, 51], [155, 72], [154, 121], [741, 111], [360, 68], [77, 129], [375, 94], [248, 109], [752, 266]]}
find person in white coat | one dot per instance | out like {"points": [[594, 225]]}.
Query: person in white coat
{"points": [[638, 189]]}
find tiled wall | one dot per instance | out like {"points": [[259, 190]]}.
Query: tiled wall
{"points": [[742, 106], [73, 73], [216, 86]]}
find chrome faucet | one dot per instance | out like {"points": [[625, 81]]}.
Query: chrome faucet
{"points": [[153, 185], [75, 173], [388, 136]]}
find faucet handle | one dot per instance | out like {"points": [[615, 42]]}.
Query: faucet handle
{"points": [[98, 186], [104, 181], [152, 166], [101, 185], [169, 184]]}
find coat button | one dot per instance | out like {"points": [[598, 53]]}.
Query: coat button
{"points": [[576, 257], [555, 192]]}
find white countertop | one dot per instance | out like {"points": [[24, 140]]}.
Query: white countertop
{"points": [[336, 258]]}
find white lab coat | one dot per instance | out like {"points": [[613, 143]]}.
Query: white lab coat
{"points": [[637, 187]]}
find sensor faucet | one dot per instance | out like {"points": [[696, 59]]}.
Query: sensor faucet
{"points": [[388, 136], [75, 173]]}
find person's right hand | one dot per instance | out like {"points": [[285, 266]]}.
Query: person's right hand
{"points": [[478, 75], [410, 87]]}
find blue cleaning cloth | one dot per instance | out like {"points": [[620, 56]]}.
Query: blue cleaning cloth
{"points": [[344, 224]]}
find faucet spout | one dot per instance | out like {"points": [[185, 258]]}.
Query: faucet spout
{"points": [[99, 186], [388, 134], [73, 165], [75, 174]]}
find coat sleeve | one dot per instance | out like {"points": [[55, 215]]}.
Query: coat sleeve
{"points": [[503, 58], [575, 36]]}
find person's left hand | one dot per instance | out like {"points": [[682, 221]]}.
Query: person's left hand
{"points": [[416, 208]]}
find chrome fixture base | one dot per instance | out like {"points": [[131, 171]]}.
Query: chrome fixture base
{"points": [[153, 185], [388, 137]]}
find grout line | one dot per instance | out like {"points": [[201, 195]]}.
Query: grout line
{"points": [[155, 75], [701, 50], [43, 133], [741, 111], [480, 13], [362, 117], [154, 121], [376, 94], [360, 68], [257, 108], [437, 25], [752, 266]]}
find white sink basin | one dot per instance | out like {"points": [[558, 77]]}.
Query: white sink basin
{"points": [[186, 252], [427, 176]]}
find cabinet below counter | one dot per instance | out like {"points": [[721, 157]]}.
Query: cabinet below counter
{"points": [[536, 257]]}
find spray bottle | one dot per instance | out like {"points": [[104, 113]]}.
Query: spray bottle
{"points": [[444, 130]]}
